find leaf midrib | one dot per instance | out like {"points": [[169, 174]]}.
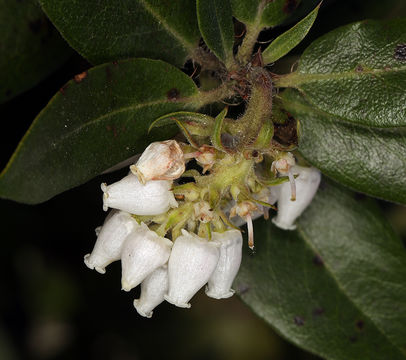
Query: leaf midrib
{"points": [[297, 78], [82, 126], [186, 44], [313, 107], [222, 35], [311, 246]]}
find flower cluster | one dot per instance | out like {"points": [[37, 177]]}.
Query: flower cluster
{"points": [[173, 237]]}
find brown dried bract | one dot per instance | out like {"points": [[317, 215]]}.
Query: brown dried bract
{"points": [[79, 77], [286, 133]]}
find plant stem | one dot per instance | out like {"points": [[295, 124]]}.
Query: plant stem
{"points": [[203, 98], [259, 109], [251, 35], [248, 43]]}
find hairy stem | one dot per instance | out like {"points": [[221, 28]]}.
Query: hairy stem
{"points": [[203, 98], [251, 36]]}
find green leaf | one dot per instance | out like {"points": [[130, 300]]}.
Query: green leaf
{"points": [[336, 285], [30, 47], [93, 124], [357, 73], [369, 160], [263, 13], [103, 31], [194, 123], [216, 26], [289, 39], [218, 126]]}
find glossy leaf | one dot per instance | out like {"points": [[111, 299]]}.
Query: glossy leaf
{"points": [[30, 47], [103, 31], [216, 26], [94, 122], [289, 39], [357, 73], [369, 160], [336, 285], [263, 13]]}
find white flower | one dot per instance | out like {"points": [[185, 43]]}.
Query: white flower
{"points": [[130, 195], [110, 238], [192, 261], [160, 161], [219, 284], [143, 252], [306, 186], [153, 289]]}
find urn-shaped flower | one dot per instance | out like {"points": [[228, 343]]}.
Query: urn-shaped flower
{"points": [[307, 182], [161, 160], [220, 281], [152, 198], [110, 239], [153, 289], [143, 252], [193, 259]]}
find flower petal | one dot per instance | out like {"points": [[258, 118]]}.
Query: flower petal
{"points": [[110, 239], [143, 252], [192, 261], [153, 289], [219, 284], [307, 184], [162, 160], [130, 195]]}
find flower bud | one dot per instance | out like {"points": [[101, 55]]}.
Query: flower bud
{"points": [[160, 161], [206, 157], [283, 164], [110, 239], [153, 289], [306, 186], [130, 195], [267, 195], [192, 261], [219, 285], [143, 252], [243, 209], [203, 212]]}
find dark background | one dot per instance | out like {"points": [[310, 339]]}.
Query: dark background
{"points": [[53, 307]]}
